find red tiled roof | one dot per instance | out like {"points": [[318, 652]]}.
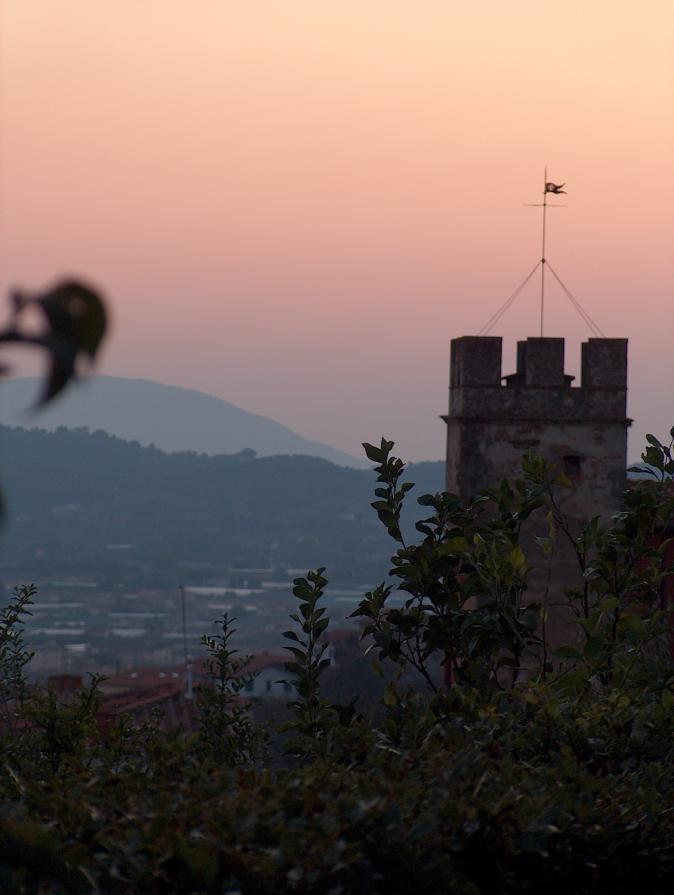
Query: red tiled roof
{"points": [[341, 635], [258, 662], [141, 678], [133, 700]]}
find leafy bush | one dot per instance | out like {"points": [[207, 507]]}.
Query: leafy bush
{"points": [[518, 767], [226, 732]]}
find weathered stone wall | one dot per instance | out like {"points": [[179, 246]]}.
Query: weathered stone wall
{"points": [[583, 430], [592, 454]]}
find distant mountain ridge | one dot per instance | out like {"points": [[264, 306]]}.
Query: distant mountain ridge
{"points": [[93, 505], [170, 417]]}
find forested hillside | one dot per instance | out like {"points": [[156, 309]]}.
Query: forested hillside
{"points": [[74, 497]]}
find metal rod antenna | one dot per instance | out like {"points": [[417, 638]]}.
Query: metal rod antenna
{"points": [[182, 602], [496, 316], [545, 205], [543, 261]]}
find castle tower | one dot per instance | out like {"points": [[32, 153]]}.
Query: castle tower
{"points": [[494, 419]]}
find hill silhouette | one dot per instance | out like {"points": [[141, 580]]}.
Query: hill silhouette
{"points": [[168, 416]]}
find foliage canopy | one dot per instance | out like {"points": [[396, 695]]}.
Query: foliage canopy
{"points": [[495, 763]]}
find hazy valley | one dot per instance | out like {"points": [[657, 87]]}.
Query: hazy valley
{"points": [[109, 530]]}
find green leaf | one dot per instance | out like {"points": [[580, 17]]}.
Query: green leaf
{"points": [[630, 621], [299, 654], [653, 457], [373, 453], [594, 647], [302, 592], [426, 500], [546, 544], [77, 318], [567, 652], [294, 667], [608, 604], [517, 559], [381, 505], [454, 545]]}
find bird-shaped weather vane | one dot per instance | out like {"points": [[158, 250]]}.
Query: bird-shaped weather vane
{"points": [[556, 189]]}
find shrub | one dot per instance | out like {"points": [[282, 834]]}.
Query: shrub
{"points": [[514, 769]]}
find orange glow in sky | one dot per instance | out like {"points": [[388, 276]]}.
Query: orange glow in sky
{"points": [[296, 205]]}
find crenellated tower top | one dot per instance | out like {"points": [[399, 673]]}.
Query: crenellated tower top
{"points": [[539, 389]]}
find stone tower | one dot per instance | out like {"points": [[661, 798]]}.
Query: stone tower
{"points": [[494, 419]]}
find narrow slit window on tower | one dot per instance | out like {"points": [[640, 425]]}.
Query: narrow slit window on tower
{"points": [[573, 465]]}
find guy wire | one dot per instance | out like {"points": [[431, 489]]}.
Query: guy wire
{"points": [[494, 319], [577, 305]]}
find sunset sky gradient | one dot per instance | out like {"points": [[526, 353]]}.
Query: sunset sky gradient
{"points": [[295, 205]]}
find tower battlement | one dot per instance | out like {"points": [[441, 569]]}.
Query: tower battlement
{"points": [[539, 389], [581, 429]]}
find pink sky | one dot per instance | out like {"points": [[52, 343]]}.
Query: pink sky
{"points": [[296, 205]]}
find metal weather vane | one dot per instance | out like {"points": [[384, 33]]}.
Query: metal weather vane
{"points": [[556, 189]]}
